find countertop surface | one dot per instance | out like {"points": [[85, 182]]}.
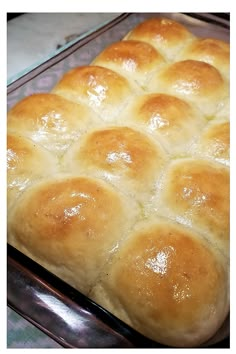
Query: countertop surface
{"points": [[32, 38]]}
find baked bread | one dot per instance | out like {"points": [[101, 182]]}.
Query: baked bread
{"points": [[118, 181]]}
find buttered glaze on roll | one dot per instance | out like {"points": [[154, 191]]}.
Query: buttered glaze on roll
{"points": [[168, 118], [214, 142], [102, 89], [210, 50], [71, 224], [196, 192], [122, 155], [167, 282], [135, 60], [193, 80], [166, 35], [50, 120], [26, 163]]}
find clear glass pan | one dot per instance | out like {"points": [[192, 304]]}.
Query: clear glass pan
{"points": [[63, 313]]}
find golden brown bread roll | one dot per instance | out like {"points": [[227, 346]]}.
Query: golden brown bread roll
{"points": [[118, 181], [193, 80], [214, 142], [192, 191], [167, 282], [133, 59], [166, 35], [26, 163], [121, 155], [105, 91], [209, 50], [171, 120], [71, 225], [50, 120]]}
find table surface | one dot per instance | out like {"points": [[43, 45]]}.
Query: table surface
{"points": [[34, 36], [23, 334]]}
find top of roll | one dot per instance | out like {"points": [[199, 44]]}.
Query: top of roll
{"points": [[166, 35], [174, 279], [209, 50], [50, 120], [168, 118], [102, 89], [133, 59], [72, 223], [193, 80], [122, 155]]}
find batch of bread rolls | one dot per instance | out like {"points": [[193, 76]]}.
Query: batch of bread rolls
{"points": [[118, 181]]}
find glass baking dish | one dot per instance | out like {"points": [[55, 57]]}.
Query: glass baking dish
{"points": [[56, 308]]}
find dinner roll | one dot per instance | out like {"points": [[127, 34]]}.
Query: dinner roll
{"points": [[214, 142], [196, 193], [209, 50], [167, 282], [122, 155], [166, 35], [170, 119], [135, 60], [26, 163], [193, 80], [71, 225], [102, 89], [50, 120]]}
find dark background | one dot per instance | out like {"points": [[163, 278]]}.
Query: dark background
{"points": [[11, 15]]}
